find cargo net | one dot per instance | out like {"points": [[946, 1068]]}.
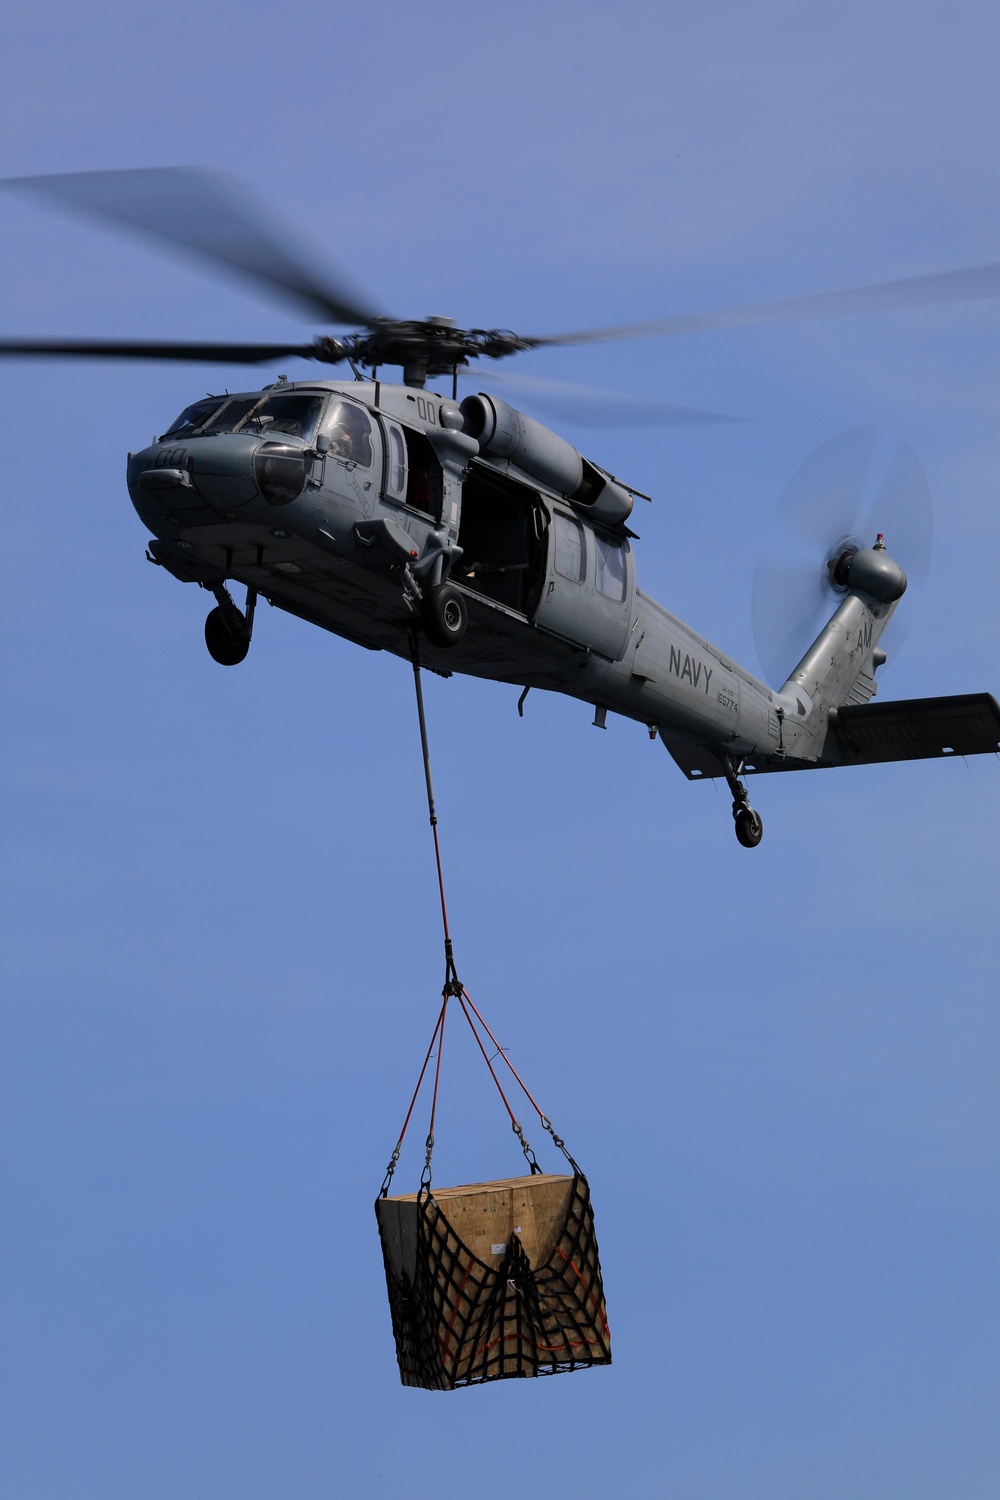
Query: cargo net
{"points": [[538, 1308], [458, 1321]]}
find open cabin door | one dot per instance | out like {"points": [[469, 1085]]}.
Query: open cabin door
{"points": [[502, 537], [589, 586]]}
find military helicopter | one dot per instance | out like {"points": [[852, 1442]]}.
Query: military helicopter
{"points": [[406, 520]]}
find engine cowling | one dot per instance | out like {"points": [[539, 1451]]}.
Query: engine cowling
{"points": [[503, 432]]}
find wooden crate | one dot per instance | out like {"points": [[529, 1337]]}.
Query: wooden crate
{"points": [[483, 1216], [493, 1280]]}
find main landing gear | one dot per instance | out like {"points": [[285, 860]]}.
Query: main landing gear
{"points": [[228, 629], [749, 824], [444, 615]]}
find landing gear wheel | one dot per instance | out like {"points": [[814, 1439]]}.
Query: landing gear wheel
{"points": [[444, 615], [749, 827], [225, 647]]}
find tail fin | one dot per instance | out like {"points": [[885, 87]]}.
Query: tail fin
{"points": [[839, 667]]}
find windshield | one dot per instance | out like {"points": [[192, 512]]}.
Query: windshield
{"points": [[192, 417], [229, 416], [296, 413]]}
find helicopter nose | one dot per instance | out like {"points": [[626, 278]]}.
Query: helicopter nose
{"points": [[222, 469], [162, 488], [215, 472]]}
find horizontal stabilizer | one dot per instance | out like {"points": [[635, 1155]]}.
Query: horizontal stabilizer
{"points": [[869, 733], [696, 761], [919, 728]]}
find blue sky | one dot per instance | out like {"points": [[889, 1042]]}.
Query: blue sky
{"points": [[218, 941]]}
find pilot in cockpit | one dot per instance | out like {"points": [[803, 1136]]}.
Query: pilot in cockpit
{"points": [[341, 442]]}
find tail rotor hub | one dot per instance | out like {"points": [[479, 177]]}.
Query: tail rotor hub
{"points": [[838, 565]]}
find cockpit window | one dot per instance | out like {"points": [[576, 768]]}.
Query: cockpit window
{"points": [[292, 413], [295, 413], [350, 432], [193, 417], [229, 416]]}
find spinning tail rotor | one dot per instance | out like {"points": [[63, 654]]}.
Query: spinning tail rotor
{"points": [[857, 485]]}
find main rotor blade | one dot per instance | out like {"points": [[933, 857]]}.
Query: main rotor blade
{"points": [[589, 407], [973, 284], [235, 354], [200, 212]]}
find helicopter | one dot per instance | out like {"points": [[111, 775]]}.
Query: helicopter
{"points": [[469, 537]]}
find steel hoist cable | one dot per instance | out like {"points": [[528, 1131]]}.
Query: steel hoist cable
{"points": [[453, 989]]}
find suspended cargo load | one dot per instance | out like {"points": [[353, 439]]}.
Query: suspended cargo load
{"points": [[493, 1281]]}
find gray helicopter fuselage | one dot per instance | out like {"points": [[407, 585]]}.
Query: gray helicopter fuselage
{"points": [[343, 502], [471, 537]]}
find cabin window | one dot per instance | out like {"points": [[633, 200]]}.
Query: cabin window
{"points": [[610, 569], [397, 461], [350, 432], [569, 558]]}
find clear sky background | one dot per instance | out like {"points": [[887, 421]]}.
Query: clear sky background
{"points": [[219, 940]]}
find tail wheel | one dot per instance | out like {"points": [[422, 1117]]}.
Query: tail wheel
{"points": [[225, 647], [749, 827], [444, 615]]}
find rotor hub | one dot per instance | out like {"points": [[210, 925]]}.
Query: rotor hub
{"points": [[423, 346], [838, 566]]}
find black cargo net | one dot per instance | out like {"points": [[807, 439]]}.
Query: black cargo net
{"points": [[456, 1319], [458, 1322]]}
